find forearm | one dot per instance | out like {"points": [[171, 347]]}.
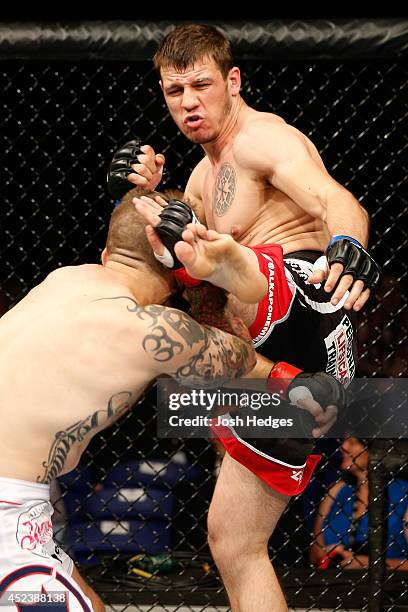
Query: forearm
{"points": [[397, 564], [262, 368], [345, 216]]}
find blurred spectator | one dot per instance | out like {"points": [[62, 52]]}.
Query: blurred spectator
{"points": [[382, 334], [341, 524]]}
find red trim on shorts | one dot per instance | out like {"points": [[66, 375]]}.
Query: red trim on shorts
{"points": [[283, 478], [5, 501], [275, 304]]}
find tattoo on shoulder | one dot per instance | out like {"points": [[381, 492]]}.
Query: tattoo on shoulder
{"points": [[218, 357], [64, 440], [224, 189]]}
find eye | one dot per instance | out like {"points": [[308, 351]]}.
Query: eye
{"points": [[174, 92]]}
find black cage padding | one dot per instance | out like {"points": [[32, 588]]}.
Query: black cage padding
{"points": [[279, 39]]}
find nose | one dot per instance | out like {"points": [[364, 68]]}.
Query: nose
{"points": [[189, 100]]}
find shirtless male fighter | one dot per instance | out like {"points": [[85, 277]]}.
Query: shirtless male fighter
{"points": [[77, 352], [264, 183]]}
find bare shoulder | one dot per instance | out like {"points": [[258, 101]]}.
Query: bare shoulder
{"points": [[202, 166], [195, 187], [265, 140], [271, 125], [158, 331], [154, 339], [198, 175]]}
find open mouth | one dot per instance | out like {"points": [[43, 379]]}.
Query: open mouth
{"points": [[193, 121]]}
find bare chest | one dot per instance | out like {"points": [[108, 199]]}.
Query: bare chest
{"points": [[232, 197]]}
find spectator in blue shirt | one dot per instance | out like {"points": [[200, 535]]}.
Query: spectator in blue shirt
{"points": [[341, 524]]}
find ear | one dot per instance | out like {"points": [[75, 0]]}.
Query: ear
{"points": [[104, 256], [161, 84], [234, 80]]}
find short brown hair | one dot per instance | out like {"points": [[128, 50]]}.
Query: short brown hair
{"points": [[126, 234], [187, 44]]}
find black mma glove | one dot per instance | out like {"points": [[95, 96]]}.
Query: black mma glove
{"points": [[173, 220], [355, 260], [324, 388], [296, 384], [120, 168]]}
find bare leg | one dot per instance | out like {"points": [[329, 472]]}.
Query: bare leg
{"points": [[208, 255], [242, 517], [217, 258]]}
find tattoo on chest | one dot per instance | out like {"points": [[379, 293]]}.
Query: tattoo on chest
{"points": [[64, 440], [224, 189]]}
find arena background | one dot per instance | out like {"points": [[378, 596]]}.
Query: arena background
{"points": [[70, 93]]}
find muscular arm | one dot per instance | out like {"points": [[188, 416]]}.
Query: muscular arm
{"points": [[307, 184], [194, 354], [292, 165]]}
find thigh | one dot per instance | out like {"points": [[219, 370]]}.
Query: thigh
{"points": [[243, 505]]}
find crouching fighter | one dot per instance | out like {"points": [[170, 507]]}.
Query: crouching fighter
{"points": [[78, 351]]}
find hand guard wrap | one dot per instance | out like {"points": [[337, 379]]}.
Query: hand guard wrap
{"points": [[297, 385]]}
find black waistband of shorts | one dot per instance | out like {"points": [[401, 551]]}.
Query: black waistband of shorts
{"points": [[307, 255]]}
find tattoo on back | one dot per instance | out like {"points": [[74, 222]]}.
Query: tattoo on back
{"points": [[224, 189], [64, 440]]}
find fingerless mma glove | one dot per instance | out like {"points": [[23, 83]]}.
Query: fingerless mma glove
{"points": [[298, 385], [173, 220], [355, 260], [120, 168]]}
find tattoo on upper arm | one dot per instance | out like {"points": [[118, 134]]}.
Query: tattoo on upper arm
{"points": [[218, 356], [224, 189], [64, 440]]}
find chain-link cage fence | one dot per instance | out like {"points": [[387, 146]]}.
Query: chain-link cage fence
{"points": [[133, 514]]}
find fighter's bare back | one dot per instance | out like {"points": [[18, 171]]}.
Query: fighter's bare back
{"points": [[78, 351]]}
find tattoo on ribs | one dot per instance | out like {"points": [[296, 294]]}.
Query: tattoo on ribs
{"points": [[64, 440], [224, 189]]}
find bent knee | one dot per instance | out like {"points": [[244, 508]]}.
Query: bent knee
{"points": [[228, 545]]}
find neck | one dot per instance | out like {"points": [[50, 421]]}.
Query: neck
{"points": [[146, 287], [216, 147]]}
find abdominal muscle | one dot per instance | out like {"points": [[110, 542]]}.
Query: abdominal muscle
{"points": [[267, 217]]}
